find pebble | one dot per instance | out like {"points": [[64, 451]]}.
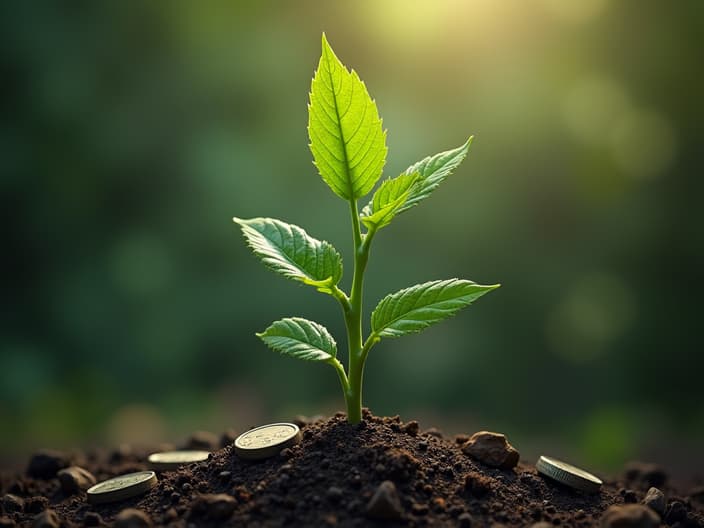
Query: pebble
{"points": [[74, 479], [132, 518], [542, 524], [630, 516], [92, 519], [385, 503], [46, 519], [12, 503], [216, 506], [655, 500], [491, 449], [204, 440], [6, 522], [676, 511], [46, 463], [334, 494], [465, 520]]}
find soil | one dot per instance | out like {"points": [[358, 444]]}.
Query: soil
{"points": [[381, 472]]}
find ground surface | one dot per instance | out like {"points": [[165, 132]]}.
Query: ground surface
{"points": [[330, 479]]}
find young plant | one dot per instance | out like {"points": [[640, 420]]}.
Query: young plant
{"points": [[349, 150]]}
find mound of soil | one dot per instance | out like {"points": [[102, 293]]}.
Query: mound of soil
{"points": [[380, 472]]}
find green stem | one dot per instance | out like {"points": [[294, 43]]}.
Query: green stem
{"points": [[353, 319]]}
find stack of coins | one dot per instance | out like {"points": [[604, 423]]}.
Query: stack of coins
{"points": [[266, 441], [568, 475]]}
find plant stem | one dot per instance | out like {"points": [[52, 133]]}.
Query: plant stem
{"points": [[353, 320]]}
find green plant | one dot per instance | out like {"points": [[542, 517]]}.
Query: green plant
{"points": [[349, 150]]}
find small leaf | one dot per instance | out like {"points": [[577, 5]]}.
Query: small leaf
{"points": [[287, 249], [431, 171], [346, 136], [387, 200], [414, 309], [300, 338]]}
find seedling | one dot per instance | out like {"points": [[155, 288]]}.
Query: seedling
{"points": [[349, 150]]}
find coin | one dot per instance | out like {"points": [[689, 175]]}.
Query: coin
{"points": [[267, 440], [122, 487], [169, 460], [568, 475]]}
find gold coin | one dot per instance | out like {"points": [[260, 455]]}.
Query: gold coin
{"points": [[169, 460], [122, 487], [568, 474], [267, 440]]}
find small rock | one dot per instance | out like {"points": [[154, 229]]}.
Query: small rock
{"points": [[676, 511], [92, 519], [411, 428], [542, 524], [6, 522], [334, 494], [385, 503], [629, 516], [74, 479], [12, 503], [204, 440], [629, 497], [217, 506], [433, 431], [132, 518], [491, 449], [45, 463], [655, 500], [465, 520], [46, 519]]}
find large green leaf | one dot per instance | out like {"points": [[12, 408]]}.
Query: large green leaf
{"points": [[346, 136], [387, 200], [414, 309], [289, 250], [430, 172], [300, 338]]}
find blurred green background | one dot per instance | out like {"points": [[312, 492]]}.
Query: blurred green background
{"points": [[133, 131]]}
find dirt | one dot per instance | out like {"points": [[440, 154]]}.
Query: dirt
{"points": [[380, 472]]}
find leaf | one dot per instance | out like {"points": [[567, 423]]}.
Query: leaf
{"points": [[300, 338], [287, 249], [387, 200], [346, 136], [431, 171], [414, 309]]}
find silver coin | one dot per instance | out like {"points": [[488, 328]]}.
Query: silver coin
{"points": [[266, 441], [122, 487], [568, 474], [169, 460]]}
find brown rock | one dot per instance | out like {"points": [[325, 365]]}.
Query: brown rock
{"points": [[385, 503], [630, 516], [132, 518], [46, 463], [6, 522], [465, 520], [12, 503], [411, 428], [655, 500], [491, 449], [74, 479], [46, 519], [217, 506]]}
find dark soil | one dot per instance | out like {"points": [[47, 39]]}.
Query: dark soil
{"points": [[330, 479]]}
